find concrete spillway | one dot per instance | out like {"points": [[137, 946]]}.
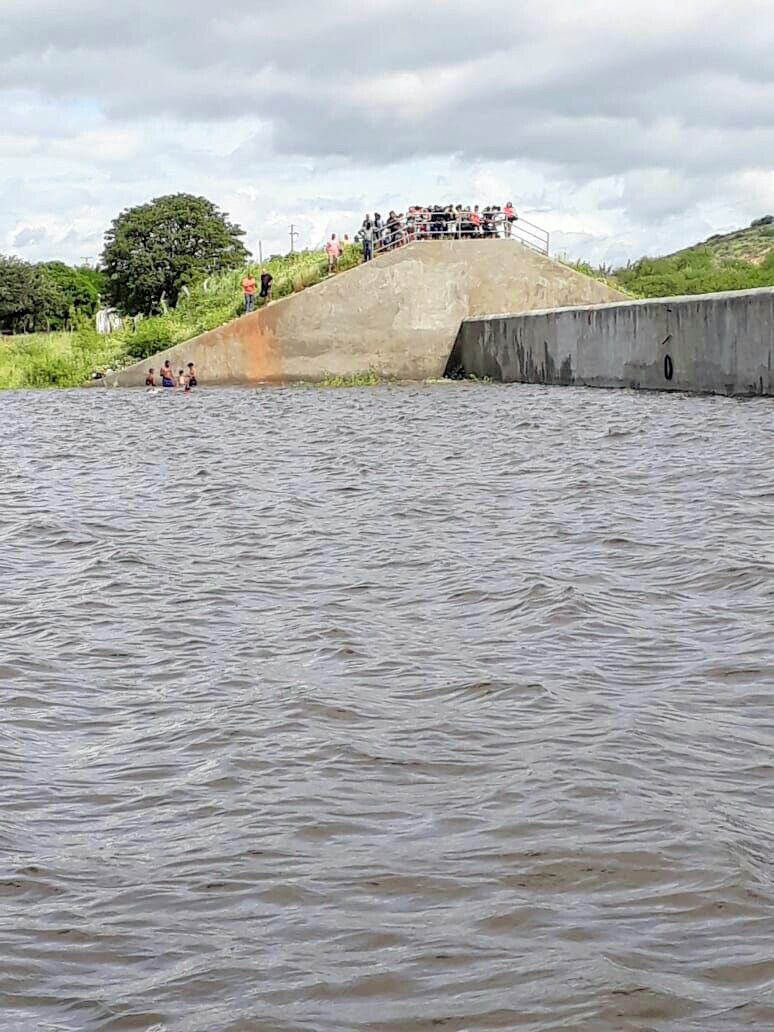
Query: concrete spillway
{"points": [[398, 315], [711, 343]]}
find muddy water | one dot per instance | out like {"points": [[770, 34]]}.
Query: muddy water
{"points": [[446, 707]]}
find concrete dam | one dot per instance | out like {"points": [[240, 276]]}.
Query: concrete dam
{"points": [[427, 310], [711, 343], [398, 315]]}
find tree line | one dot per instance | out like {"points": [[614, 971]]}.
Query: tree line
{"points": [[46, 296], [152, 252]]}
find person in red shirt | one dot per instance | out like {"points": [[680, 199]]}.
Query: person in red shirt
{"points": [[249, 287]]}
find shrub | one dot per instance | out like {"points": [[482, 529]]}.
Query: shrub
{"points": [[151, 335]]}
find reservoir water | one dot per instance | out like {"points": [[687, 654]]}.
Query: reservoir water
{"points": [[445, 707]]}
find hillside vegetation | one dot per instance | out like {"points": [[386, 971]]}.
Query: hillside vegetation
{"points": [[732, 261], [68, 359], [753, 244]]}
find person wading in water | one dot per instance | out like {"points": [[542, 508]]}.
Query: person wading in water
{"points": [[167, 375]]}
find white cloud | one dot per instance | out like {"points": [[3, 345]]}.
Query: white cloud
{"points": [[622, 128]]}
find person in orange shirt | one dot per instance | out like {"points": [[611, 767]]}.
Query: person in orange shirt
{"points": [[249, 287]]}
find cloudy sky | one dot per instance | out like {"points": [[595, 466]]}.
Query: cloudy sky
{"points": [[625, 128]]}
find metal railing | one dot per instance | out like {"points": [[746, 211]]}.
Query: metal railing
{"points": [[458, 225]]}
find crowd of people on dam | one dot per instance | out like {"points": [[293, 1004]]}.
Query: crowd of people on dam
{"points": [[436, 222]]}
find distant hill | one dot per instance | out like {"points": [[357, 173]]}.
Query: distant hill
{"points": [[727, 261], [753, 244]]}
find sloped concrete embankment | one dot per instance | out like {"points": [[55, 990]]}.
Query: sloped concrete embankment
{"points": [[709, 343], [398, 315]]}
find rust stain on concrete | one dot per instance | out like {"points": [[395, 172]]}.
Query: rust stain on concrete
{"points": [[397, 315]]}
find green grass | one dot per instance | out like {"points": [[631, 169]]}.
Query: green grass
{"points": [[68, 359], [55, 359], [366, 379], [696, 270], [740, 260]]}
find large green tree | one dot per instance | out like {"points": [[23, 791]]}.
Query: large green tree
{"points": [[154, 250], [46, 296], [28, 297], [78, 292]]}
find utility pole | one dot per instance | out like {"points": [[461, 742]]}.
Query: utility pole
{"points": [[260, 252], [293, 234]]}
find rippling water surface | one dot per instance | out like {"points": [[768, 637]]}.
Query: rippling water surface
{"points": [[400, 709]]}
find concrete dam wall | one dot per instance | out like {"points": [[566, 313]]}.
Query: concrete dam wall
{"points": [[398, 315], [709, 343]]}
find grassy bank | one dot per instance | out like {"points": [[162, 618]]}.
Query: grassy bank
{"points": [[697, 271], [56, 359], [740, 260], [68, 359]]}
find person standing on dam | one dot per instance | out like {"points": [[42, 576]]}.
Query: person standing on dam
{"points": [[367, 236], [266, 281], [510, 218], [333, 250], [249, 287]]}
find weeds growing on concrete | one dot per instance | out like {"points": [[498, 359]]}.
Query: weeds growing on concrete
{"points": [[368, 379]]}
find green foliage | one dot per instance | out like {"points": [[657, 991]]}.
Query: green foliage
{"points": [[78, 292], [26, 296], [367, 379], [694, 271], [54, 359], [154, 250], [68, 359], [151, 335], [48, 296], [735, 261], [602, 272]]}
